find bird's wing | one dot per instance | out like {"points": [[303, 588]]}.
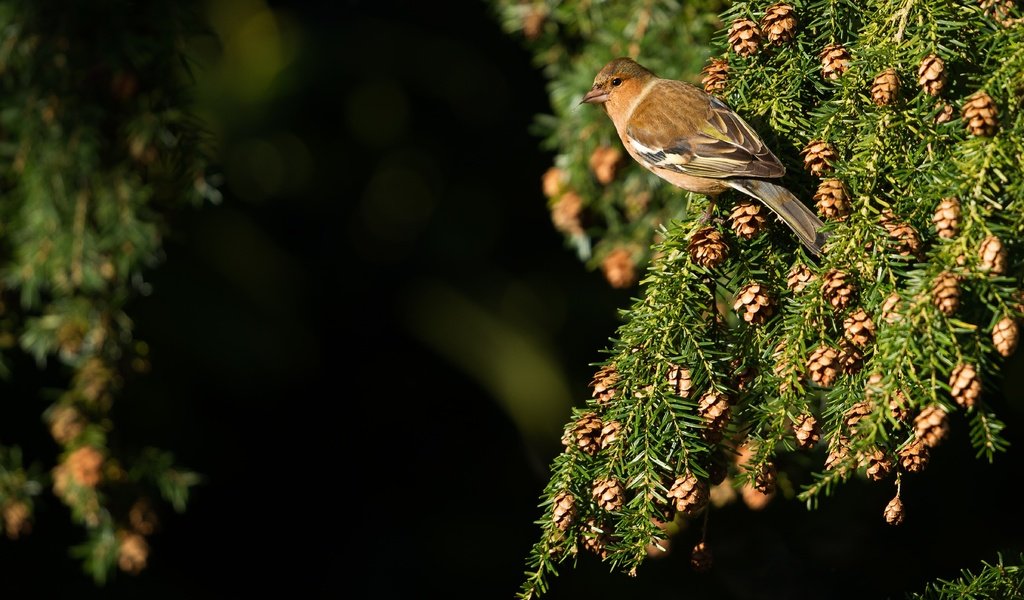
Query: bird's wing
{"points": [[682, 129]]}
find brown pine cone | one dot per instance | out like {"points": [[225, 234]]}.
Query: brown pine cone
{"points": [[565, 213], [808, 434], [799, 278], [965, 385], [931, 75], [765, 479], [878, 465], [823, 366], [553, 181], [132, 552], [980, 115], [819, 156], [690, 494], [838, 289], [1000, 11], [680, 381], [914, 456], [85, 466], [585, 434], [605, 162], [858, 328], [603, 384], [563, 512], [835, 60], [894, 512], [992, 255], [932, 425], [596, 538], [701, 558], [708, 247], [856, 413], [619, 268], [946, 293], [1005, 335], [779, 23], [609, 434], [885, 87], [714, 408], [832, 200], [891, 308], [66, 423], [748, 219], [947, 218], [908, 242], [716, 75], [850, 358], [609, 493], [838, 451], [744, 36], [945, 113], [17, 519], [754, 304]]}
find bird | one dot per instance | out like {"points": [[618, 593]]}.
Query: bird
{"points": [[696, 142]]}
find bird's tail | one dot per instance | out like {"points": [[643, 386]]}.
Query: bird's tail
{"points": [[800, 219]]}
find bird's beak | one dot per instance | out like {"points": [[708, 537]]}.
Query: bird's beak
{"points": [[595, 96]]}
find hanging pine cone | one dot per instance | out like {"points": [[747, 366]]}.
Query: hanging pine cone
{"points": [[748, 219], [894, 512], [596, 538], [716, 74], [603, 384], [744, 36], [764, 481], [708, 247], [754, 304], [838, 289], [1000, 11], [609, 434], [807, 432], [553, 181], [850, 358], [947, 218], [832, 200], [563, 511], [714, 408], [680, 381], [885, 87], [779, 23], [965, 385], [1005, 335], [908, 242], [931, 75], [565, 213], [701, 558], [878, 465], [858, 328], [819, 156], [690, 494], [891, 308], [800, 276], [945, 113], [946, 293], [619, 268], [835, 60], [586, 434], [980, 114], [856, 413], [992, 255], [931, 425], [609, 493], [838, 451], [823, 366], [742, 376], [605, 162], [914, 456]]}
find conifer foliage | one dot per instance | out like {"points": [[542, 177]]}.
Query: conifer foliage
{"points": [[901, 123]]}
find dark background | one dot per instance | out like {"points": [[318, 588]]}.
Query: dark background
{"points": [[346, 453]]}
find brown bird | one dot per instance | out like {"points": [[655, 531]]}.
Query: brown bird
{"points": [[694, 141]]}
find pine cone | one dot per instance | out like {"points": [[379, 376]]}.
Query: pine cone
{"points": [[609, 434], [878, 465], [891, 308], [779, 23], [701, 558], [680, 381], [965, 385], [143, 518], [619, 268], [838, 289], [980, 114], [947, 218], [908, 242], [132, 552], [533, 21], [609, 493], [799, 278], [808, 434], [856, 413], [822, 366], [894, 512], [945, 113], [835, 60], [899, 407], [754, 303], [85, 466], [764, 481], [858, 328], [744, 36], [690, 494], [553, 181], [1000, 11], [66, 423], [714, 408], [914, 456], [17, 519], [563, 512], [1005, 335], [596, 538], [946, 293], [931, 75], [716, 74], [819, 156], [604, 383], [565, 213], [744, 376], [708, 247], [931, 425], [832, 200], [748, 219], [838, 451], [850, 359], [605, 162], [586, 434], [993, 256], [885, 87]]}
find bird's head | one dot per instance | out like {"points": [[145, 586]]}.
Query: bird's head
{"points": [[621, 78]]}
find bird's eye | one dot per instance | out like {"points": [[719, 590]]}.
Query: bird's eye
{"points": [[616, 81]]}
